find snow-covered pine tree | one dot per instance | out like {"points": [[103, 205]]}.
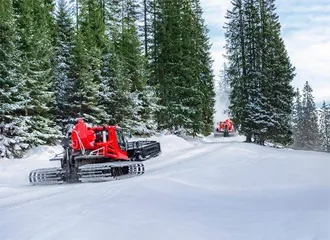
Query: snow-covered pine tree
{"points": [[34, 27], [180, 66], [134, 66], [259, 119], [146, 26], [297, 121], [237, 68], [153, 35], [13, 124], [123, 65], [88, 61], [111, 11], [186, 98], [166, 59], [259, 71], [152, 15], [106, 84], [113, 88], [309, 122], [62, 66], [325, 127], [279, 72], [203, 71]]}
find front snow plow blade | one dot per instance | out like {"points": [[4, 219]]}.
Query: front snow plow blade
{"points": [[109, 171], [218, 134], [47, 176]]}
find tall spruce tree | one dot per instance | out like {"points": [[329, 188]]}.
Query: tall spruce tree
{"points": [[111, 18], [131, 102], [309, 122], [203, 72], [280, 74], [88, 61], [325, 127], [259, 71], [62, 66], [134, 65], [237, 68], [257, 108], [180, 65], [13, 123], [34, 27], [297, 121]]}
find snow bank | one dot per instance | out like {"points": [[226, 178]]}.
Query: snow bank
{"points": [[233, 138], [16, 171], [169, 143]]}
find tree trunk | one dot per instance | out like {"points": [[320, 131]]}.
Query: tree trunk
{"points": [[248, 137], [145, 29]]}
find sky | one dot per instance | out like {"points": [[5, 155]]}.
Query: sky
{"points": [[306, 33]]}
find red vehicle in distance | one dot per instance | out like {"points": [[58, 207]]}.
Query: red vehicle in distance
{"points": [[224, 128]]}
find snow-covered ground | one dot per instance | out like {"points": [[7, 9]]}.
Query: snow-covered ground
{"points": [[197, 189]]}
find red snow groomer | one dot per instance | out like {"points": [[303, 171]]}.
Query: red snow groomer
{"points": [[98, 153], [224, 128]]}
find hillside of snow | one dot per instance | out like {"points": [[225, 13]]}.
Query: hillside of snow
{"points": [[212, 188]]}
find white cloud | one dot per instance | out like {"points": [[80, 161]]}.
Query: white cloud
{"points": [[306, 33]]}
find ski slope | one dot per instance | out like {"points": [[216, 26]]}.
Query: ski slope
{"points": [[197, 189]]}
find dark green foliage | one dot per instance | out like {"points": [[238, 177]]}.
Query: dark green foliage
{"points": [[88, 50], [309, 123], [12, 90], [61, 60], [180, 65], [325, 127], [62, 64], [259, 71], [34, 29], [297, 116], [311, 126]]}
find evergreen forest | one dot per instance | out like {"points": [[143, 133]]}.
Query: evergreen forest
{"points": [[146, 65]]}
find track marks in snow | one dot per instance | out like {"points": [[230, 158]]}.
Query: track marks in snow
{"points": [[180, 157], [32, 195]]}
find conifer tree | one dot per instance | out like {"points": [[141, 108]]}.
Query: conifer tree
{"points": [[88, 61], [180, 66], [297, 121], [13, 124], [165, 59], [309, 122], [62, 67], [203, 71], [259, 71], [111, 11], [34, 29], [325, 127], [130, 53], [237, 68], [259, 119], [280, 74], [131, 100]]}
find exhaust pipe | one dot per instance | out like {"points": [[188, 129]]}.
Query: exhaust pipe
{"points": [[104, 135]]}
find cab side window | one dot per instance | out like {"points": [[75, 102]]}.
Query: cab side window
{"points": [[121, 139]]}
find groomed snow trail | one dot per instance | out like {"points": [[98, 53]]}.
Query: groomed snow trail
{"points": [[225, 190]]}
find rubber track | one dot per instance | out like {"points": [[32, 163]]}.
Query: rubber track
{"points": [[110, 171]]}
